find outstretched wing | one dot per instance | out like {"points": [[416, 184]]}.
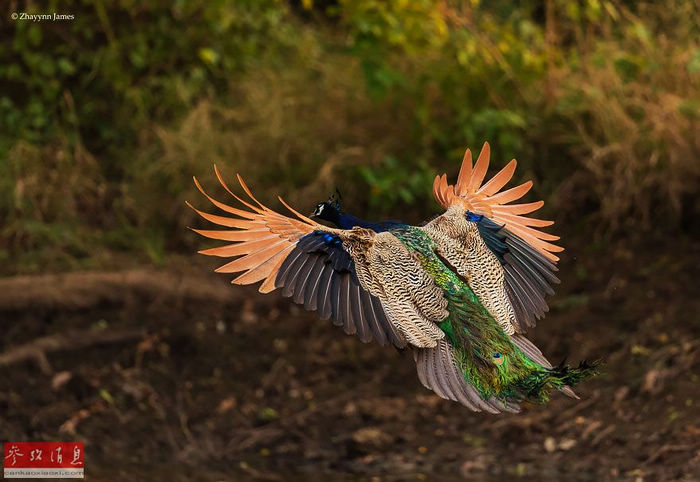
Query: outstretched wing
{"points": [[304, 258], [525, 254], [485, 199]]}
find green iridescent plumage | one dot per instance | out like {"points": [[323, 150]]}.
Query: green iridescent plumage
{"points": [[486, 355]]}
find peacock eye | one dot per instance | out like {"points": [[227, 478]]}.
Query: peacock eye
{"points": [[497, 358]]}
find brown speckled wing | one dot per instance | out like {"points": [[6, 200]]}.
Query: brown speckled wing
{"points": [[294, 254]]}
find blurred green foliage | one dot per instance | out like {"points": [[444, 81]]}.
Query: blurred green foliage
{"points": [[392, 184], [119, 65], [105, 118]]}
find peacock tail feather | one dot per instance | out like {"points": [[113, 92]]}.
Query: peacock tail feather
{"points": [[484, 352]]}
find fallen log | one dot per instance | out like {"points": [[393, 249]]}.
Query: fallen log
{"points": [[38, 348], [81, 290]]}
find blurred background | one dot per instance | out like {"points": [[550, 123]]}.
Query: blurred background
{"points": [[114, 332]]}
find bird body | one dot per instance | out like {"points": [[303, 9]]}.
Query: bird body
{"points": [[459, 291]]}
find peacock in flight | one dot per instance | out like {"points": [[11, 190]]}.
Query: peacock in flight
{"points": [[460, 290]]}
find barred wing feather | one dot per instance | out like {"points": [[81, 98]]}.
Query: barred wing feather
{"points": [[487, 200], [303, 258], [526, 253]]}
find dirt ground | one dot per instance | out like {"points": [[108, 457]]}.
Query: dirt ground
{"points": [[175, 375]]}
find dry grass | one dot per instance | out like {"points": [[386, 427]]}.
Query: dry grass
{"points": [[297, 133], [635, 106], [56, 189]]}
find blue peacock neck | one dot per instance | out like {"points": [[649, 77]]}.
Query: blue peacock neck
{"points": [[348, 221]]}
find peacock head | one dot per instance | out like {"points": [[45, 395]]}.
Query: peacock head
{"points": [[329, 210]]}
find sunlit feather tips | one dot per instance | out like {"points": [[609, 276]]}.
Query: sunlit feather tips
{"points": [[261, 237], [488, 199]]}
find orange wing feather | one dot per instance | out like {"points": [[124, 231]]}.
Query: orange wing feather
{"points": [[487, 200], [262, 237]]}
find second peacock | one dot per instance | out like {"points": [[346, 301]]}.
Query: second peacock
{"points": [[459, 291]]}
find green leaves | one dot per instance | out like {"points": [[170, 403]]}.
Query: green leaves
{"points": [[393, 182], [127, 64]]}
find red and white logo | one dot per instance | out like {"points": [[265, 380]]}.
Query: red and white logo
{"points": [[43, 460]]}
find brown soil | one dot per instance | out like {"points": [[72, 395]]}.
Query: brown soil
{"points": [[170, 375]]}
